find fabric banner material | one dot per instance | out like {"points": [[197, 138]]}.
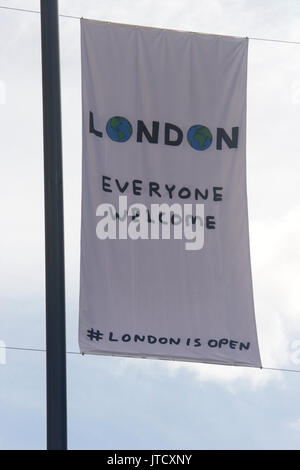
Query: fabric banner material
{"points": [[165, 261]]}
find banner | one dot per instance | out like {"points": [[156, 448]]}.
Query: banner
{"points": [[165, 263]]}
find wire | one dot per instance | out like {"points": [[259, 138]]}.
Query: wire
{"points": [[76, 353], [35, 350], [18, 9], [282, 41], [23, 10], [281, 370]]}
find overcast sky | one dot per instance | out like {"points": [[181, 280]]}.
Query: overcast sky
{"points": [[128, 403]]}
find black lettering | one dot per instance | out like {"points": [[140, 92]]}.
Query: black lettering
{"points": [[232, 142], [136, 187], [92, 126], [170, 190], [223, 342], [111, 337], [171, 127], [194, 219], [122, 189], [160, 218], [210, 222], [106, 186], [142, 130], [151, 339], [126, 338], [139, 338], [244, 346], [199, 193], [162, 340], [153, 189], [174, 341], [217, 196], [177, 220], [184, 193]]}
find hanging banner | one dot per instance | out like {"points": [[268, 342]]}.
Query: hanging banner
{"points": [[165, 263]]}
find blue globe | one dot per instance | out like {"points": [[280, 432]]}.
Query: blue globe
{"points": [[119, 129], [199, 137]]}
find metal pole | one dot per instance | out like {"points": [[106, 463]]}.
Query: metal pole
{"points": [[54, 231]]}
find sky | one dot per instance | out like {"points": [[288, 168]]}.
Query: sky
{"points": [[118, 403]]}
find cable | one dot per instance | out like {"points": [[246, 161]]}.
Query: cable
{"points": [[76, 353], [23, 10], [34, 350], [282, 41], [18, 9], [281, 370]]}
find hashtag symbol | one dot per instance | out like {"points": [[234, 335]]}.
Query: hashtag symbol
{"points": [[92, 334]]}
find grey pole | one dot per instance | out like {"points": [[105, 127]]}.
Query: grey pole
{"points": [[54, 231]]}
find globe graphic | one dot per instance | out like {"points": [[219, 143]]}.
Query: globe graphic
{"points": [[119, 129], [199, 137]]}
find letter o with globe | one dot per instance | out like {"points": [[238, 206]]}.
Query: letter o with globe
{"points": [[119, 129]]}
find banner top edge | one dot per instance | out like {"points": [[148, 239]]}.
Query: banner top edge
{"points": [[196, 33]]}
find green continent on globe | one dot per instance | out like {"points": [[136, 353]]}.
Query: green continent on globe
{"points": [[115, 122], [120, 134], [202, 135], [119, 129]]}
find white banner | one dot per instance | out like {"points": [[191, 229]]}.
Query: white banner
{"points": [[165, 263]]}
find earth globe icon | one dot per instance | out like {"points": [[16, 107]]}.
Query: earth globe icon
{"points": [[119, 129], [199, 137]]}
